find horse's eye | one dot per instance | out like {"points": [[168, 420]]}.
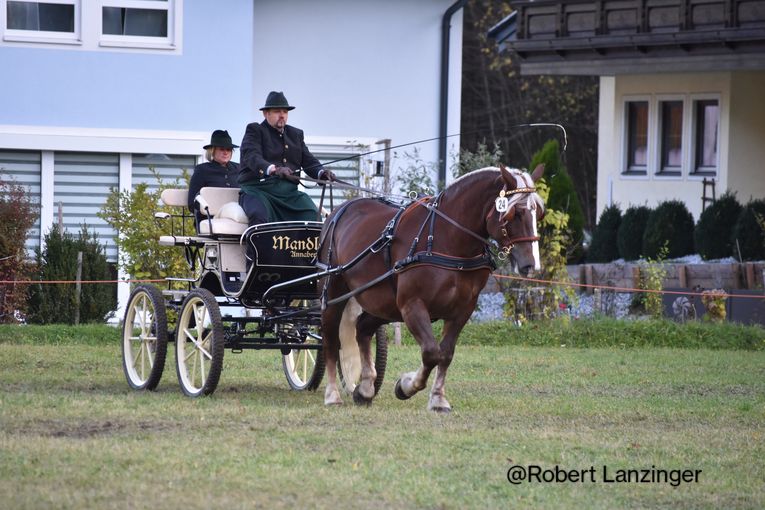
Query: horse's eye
{"points": [[509, 215]]}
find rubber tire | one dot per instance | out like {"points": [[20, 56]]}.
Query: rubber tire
{"points": [[147, 299], [313, 381], [381, 361], [213, 335]]}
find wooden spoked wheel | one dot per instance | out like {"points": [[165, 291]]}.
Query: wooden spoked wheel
{"points": [[304, 368], [199, 344], [144, 338]]}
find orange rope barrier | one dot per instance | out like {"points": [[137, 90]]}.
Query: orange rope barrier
{"points": [[508, 277], [30, 282]]}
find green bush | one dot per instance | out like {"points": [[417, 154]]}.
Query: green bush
{"points": [[563, 196], [603, 246], [55, 303], [17, 215], [672, 224], [629, 238], [481, 158], [131, 213], [748, 236], [712, 235]]}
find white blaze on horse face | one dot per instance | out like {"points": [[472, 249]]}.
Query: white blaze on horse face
{"points": [[534, 244]]}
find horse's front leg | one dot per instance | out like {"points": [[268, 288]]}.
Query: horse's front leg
{"points": [[330, 322], [452, 329], [417, 319]]}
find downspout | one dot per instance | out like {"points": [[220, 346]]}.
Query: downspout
{"points": [[444, 96]]}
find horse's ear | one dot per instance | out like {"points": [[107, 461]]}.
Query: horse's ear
{"points": [[507, 177], [538, 172]]}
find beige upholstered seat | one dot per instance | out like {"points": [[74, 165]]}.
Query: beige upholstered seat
{"points": [[223, 204]]}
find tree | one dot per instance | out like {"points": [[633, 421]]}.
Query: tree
{"points": [[56, 303], [17, 216], [496, 99], [131, 213], [562, 195]]}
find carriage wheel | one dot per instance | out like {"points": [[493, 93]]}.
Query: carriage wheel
{"points": [[349, 361], [199, 344], [304, 368], [144, 338]]}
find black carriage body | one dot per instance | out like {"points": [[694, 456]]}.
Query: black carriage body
{"points": [[282, 252]]}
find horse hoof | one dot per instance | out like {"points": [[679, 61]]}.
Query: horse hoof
{"points": [[359, 399], [441, 410], [400, 392]]}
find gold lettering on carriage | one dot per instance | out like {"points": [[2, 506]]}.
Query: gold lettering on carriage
{"points": [[298, 248]]}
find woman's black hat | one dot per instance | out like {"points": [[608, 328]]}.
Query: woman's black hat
{"points": [[220, 138]]}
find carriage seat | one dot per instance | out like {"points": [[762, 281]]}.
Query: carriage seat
{"points": [[174, 197], [228, 217]]}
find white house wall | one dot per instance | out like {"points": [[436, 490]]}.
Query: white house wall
{"points": [[359, 68], [746, 157], [651, 189]]}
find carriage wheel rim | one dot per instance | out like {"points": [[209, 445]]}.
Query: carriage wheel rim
{"points": [[140, 342], [300, 364], [194, 345]]}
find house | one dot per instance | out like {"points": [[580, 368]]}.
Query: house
{"points": [[96, 95], [681, 110]]}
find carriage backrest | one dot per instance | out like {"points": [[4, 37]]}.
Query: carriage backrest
{"points": [[175, 197], [212, 200]]}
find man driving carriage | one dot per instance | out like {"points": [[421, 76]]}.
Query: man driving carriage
{"points": [[272, 155]]}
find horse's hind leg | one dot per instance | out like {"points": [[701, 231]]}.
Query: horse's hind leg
{"points": [[365, 327], [330, 326], [417, 319]]}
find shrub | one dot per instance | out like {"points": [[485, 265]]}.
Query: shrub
{"points": [[131, 213], [629, 238], [714, 302], [417, 176], [672, 224], [17, 215], [57, 303], [712, 235], [603, 246], [748, 236], [481, 158], [563, 196]]}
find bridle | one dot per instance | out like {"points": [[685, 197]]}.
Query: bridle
{"points": [[504, 205]]}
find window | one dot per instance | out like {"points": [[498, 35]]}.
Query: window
{"points": [[707, 119], [92, 25], [136, 21], [52, 19], [637, 137], [671, 137]]}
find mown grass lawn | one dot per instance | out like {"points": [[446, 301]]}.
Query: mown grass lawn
{"points": [[72, 434]]}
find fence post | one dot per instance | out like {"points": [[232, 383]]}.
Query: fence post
{"points": [[396, 333], [77, 289]]}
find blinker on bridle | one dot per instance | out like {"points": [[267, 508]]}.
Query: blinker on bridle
{"points": [[502, 205]]}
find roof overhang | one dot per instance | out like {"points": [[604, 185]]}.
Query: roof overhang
{"points": [[592, 37]]}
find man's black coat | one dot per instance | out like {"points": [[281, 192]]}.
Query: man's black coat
{"points": [[263, 145]]}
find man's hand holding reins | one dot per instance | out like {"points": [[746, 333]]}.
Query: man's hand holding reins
{"points": [[327, 175], [284, 172]]}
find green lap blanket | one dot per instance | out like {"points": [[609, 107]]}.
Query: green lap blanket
{"points": [[282, 199]]}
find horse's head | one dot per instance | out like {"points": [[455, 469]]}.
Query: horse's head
{"points": [[513, 219]]}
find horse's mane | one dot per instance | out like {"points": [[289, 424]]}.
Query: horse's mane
{"points": [[520, 176], [522, 179]]}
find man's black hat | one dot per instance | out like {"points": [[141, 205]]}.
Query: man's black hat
{"points": [[220, 138], [277, 100]]}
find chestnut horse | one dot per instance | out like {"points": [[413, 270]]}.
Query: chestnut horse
{"points": [[421, 263]]}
